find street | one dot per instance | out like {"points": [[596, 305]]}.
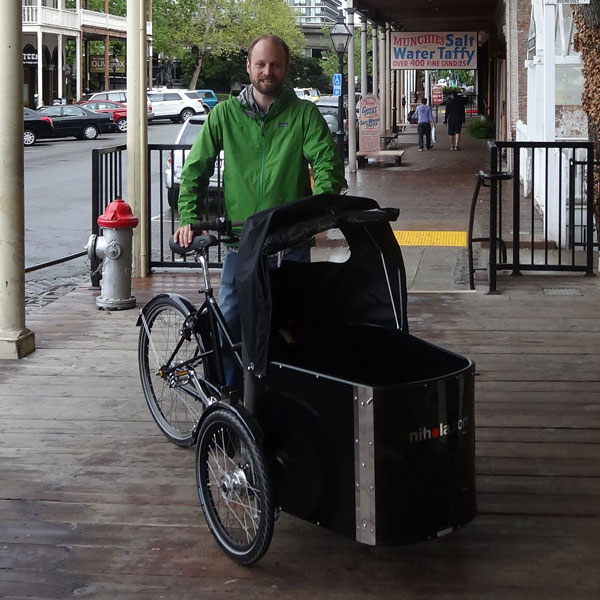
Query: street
{"points": [[58, 187]]}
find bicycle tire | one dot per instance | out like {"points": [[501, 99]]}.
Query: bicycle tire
{"points": [[234, 487], [175, 410]]}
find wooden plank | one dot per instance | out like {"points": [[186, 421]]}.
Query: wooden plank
{"points": [[95, 502]]}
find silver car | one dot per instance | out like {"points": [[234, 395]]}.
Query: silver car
{"points": [[176, 158]]}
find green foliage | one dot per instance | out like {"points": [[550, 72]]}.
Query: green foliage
{"points": [[220, 27], [115, 7], [464, 77], [218, 73], [482, 129], [330, 64], [308, 72]]}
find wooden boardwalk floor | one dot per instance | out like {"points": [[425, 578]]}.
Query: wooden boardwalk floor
{"points": [[95, 503]]}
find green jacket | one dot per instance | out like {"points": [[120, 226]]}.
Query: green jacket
{"points": [[266, 157]]}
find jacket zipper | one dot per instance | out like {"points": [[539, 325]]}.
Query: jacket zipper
{"points": [[262, 163]]}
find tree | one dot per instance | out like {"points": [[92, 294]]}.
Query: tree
{"points": [[587, 42], [219, 27], [115, 7], [308, 72], [330, 64]]}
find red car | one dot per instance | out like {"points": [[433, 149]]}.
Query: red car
{"points": [[116, 109]]}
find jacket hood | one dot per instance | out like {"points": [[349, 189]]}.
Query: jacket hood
{"points": [[246, 99]]}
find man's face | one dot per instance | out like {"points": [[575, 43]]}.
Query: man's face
{"points": [[267, 68]]}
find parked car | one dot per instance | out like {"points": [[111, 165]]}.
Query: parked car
{"points": [[117, 96], [177, 105], [186, 136], [209, 98], [117, 110], [311, 94], [36, 126], [328, 107], [77, 121]]}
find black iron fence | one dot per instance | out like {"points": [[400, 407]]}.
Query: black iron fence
{"points": [[107, 184], [165, 162], [546, 218], [164, 168]]}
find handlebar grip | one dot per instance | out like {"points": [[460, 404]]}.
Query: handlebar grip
{"points": [[219, 224]]}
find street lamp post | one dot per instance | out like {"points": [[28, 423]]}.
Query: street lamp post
{"points": [[340, 37], [67, 71], [115, 63]]}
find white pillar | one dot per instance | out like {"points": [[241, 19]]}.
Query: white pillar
{"points": [[363, 56], [16, 340], [59, 67], [388, 81], [351, 91], [398, 92], [383, 93], [137, 132], [375, 61], [549, 100], [77, 71], [40, 66], [406, 91]]}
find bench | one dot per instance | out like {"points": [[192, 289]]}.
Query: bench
{"points": [[378, 155]]}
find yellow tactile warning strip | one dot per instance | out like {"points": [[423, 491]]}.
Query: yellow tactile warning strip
{"points": [[431, 238]]}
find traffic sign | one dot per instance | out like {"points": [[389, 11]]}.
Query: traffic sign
{"points": [[337, 84]]}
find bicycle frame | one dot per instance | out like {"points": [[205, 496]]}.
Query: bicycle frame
{"points": [[218, 326]]}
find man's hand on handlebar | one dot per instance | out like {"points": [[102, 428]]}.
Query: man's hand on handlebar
{"points": [[184, 236]]}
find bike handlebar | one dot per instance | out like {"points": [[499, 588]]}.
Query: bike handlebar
{"points": [[219, 224]]}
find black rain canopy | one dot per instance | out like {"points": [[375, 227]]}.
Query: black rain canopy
{"points": [[369, 287]]}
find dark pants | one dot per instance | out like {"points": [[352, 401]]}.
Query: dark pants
{"points": [[229, 304], [424, 129]]}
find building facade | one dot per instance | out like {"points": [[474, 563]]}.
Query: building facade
{"points": [[59, 59], [316, 12]]}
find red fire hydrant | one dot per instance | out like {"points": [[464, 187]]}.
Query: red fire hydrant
{"points": [[113, 248]]}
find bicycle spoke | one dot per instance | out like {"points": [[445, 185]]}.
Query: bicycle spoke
{"points": [[172, 369]]}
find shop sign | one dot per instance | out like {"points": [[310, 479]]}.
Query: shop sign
{"points": [[369, 124], [30, 58], [97, 64], [434, 50], [437, 95]]}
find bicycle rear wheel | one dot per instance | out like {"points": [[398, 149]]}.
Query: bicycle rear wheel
{"points": [[234, 487], [169, 351]]}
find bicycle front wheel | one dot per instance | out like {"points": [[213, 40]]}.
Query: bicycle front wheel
{"points": [[171, 360], [234, 487]]}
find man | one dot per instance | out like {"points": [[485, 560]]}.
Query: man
{"points": [[269, 136], [455, 117], [424, 124]]}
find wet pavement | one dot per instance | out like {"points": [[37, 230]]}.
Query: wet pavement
{"points": [[433, 190]]}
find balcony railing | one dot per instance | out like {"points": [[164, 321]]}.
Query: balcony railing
{"points": [[66, 19], [90, 18], [70, 19]]}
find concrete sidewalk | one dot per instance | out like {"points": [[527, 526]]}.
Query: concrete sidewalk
{"points": [[433, 190]]}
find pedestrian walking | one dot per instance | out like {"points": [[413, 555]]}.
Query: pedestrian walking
{"points": [[424, 124], [455, 117]]}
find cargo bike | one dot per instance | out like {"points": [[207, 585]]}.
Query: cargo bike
{"points": [[344, 418]]}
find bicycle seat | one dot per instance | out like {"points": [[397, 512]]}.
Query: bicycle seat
{"points": [[199, 243]]}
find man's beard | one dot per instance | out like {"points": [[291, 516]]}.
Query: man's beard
{"points": [[271, 87]]}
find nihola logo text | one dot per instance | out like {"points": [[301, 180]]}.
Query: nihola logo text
{"points": [[425, 434]]}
